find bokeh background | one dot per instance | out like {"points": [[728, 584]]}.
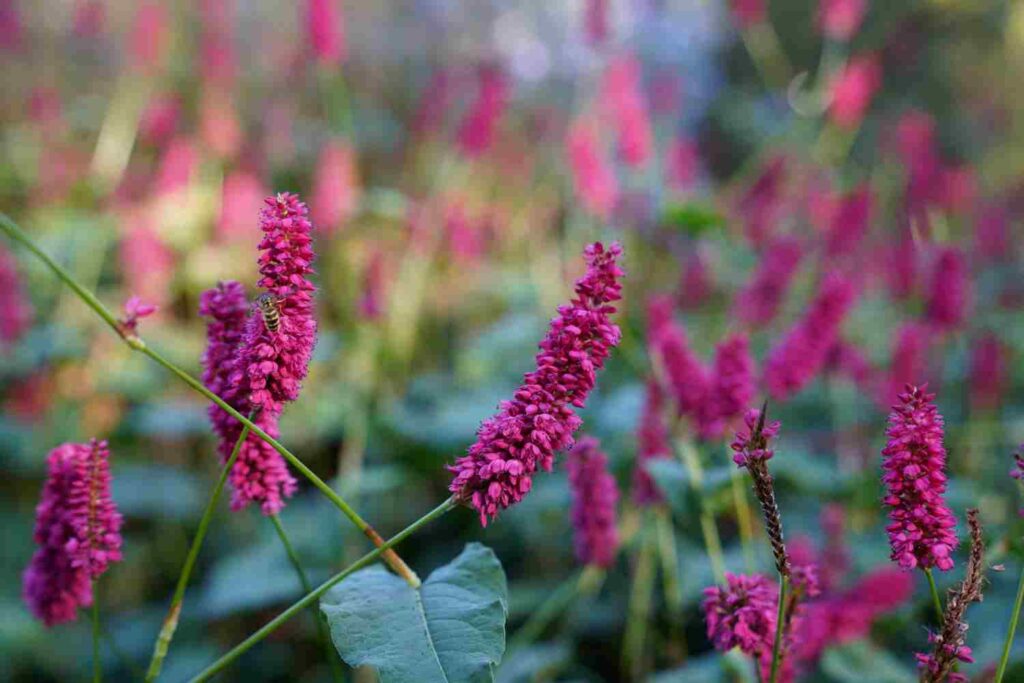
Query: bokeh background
{"points": [[456, 158]]}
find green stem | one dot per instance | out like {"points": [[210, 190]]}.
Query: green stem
{"points": [[712, 541], [170, 625], [1014, 616], [639, 610], [554, 605], [97, 669], [671, 583], [743, 518], [321, 627], [779, 628], [935, 596], [215, 668], [393, 560]]}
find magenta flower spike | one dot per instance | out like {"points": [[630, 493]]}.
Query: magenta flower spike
{"points": [[949, 296], [652, 442], [743, 614], [539, 420], [593, 177], [687, 376], [623, 99], [325, 31], [594, 496], [731, 388], [922, 529], [841, 19], [478, 128], [15, 310], [796, 360], [78, 531], [758, 302], [854, 89]]}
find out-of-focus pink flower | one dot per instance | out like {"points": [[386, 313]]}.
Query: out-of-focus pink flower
{"points": [[434, 103], [147, 262], [958, 189], [177, 166], [992, 233], [988, 372], [219, 127], [371, 299], [760, 204], [854, 89], [731, 388], [841, 19], [90, 17], [78, 531], [623, 99], [746, 13], [218, 61], [652, 442], [241, 198], [478, 127], [800, 355], [909, 363], [848, 360], [850, 222], [539, 421], [11, 30], [29, 398], [696, 282], [687, 377], [464, 236], [922, 529], [15, 309], [149, 36], [134, 310], [915, 138], [160, 118], [593, 177], [758, 302], [45, 110], [335, 186], [949, 297], [821, 202], [900, 261], [271, 363], [595, 21], [594, 496], [325, 31], [682, 164]]}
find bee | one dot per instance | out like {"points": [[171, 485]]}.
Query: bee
{"points": [[268, 305]]}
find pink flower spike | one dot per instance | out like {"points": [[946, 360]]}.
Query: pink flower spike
{"points": [[841, 19], [325, 31], [540, 419], [854, 89], [595, 495], [922, 527], [652, 442], [15, 310], [742, 614], [753, 443]]}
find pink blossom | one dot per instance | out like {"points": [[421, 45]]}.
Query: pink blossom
{"points": [[841, 19], [900, 262], [15, 309], [854, 89], [746, 13], [219, 126], [594, 496], [11, 29], [696, 282], [682, 164], [623, 99], [435, 101], [850, 222], [687, 377], [928, 664], [178, 165], [910, 345], [752, 444], [241, 198], [758, 302], [922, 527], [271, 364], [539, 420], [78, 531], [988, 372], [742, 614], [160, 118], [794, 361], [134, 310], [147, 262], [731, 388], [594, 178], [949, 297], [335, 196], [760, 204], [218, 61], [464, 236], [652, 442], [149, 36], [325, 31], [478, 127], [371, 300], [992, 241]]}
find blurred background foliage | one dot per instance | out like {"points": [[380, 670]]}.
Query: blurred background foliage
{"points": [[138, 143]]}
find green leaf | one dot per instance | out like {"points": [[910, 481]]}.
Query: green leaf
{"points": [[693, 218], [861, 661], [451, 630]]}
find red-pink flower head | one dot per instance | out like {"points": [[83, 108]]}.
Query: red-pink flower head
{"points": [[731, 388], [850, 222], [15, 310], [623, 99], [687, 377], [746, 13], [593, 176], [760, 204], [178, 165], [742, 614], [539, 420], [652, 442], [335, 186], [696, 282], [271, 363], [148, 40], [476, 132], [135, 309], [259, 474], [753, 444], [801, 354], [594, 496], [160, 118], [325, 31], [78, 531], [758, 302], [922, 531], [988, 372], [841, 19], [949, 297], [241, 198], [854, 89]]}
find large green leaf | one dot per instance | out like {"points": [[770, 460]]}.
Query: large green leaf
{"points": [[451, 630]]}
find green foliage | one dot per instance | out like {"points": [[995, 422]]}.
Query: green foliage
{"points": [[451, 630]]}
